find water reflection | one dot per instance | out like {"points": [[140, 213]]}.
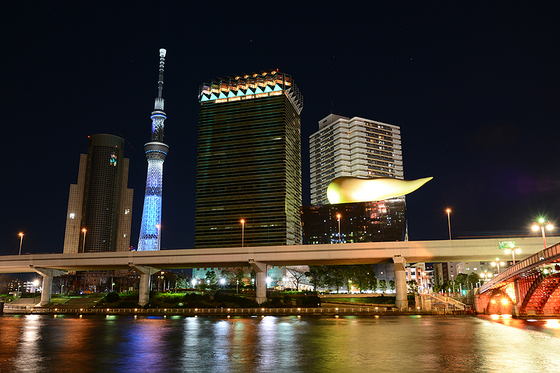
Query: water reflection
{"points": [[278, 344], [28, 353]]}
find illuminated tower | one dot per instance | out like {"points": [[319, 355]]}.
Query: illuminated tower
{"points": [[249, 162], [156, 150]]}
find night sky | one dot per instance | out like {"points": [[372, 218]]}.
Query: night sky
{"points": [[475, 88]]}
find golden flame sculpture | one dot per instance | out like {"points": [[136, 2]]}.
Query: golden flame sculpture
{"points": [[353, 189]]}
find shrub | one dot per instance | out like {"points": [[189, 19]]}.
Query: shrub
{"points": [[112, 297], [309, 301], [127, 304]]}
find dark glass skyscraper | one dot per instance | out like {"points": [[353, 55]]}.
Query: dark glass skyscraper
{"points": [[100, 204], [249, 162], [359, 222]]}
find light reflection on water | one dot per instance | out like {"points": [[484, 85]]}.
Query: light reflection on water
{"points": [[278, 344]]}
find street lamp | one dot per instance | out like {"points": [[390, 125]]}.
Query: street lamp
{"points": [[541, 224], [84, 241], [449, 221], [497, 263], [158, 231], [242, 231], [338, 219], [20, 241], [513, 251]]}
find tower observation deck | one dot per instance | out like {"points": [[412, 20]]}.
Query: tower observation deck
{"points": [[156, 151]]}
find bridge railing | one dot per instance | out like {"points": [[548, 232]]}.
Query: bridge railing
{"points": [[535, 260], [446, 299]]}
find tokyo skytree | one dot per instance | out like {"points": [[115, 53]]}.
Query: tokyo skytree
{"points": [[156, 151]]}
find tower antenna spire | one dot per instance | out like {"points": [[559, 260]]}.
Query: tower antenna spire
{"points": [[162, 53]]}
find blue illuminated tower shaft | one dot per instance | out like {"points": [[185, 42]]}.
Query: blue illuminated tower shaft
{"points": [[156, 151]]}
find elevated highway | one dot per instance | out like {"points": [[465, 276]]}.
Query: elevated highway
{"points": [[149, 262]]}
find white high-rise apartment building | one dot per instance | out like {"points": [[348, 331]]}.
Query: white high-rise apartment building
{"points": [[352, 147]]}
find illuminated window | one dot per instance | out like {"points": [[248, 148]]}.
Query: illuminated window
{"points": [[72, 215]]}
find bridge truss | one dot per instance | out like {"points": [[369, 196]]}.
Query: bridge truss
{"points": [[530, 287]]}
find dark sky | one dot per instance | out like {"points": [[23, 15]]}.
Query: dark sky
{"points": [[475, 88]]}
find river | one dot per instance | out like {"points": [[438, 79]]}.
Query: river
{"points": [[40, 343]]}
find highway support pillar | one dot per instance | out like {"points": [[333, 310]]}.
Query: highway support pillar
{"points": [[260, 269], [47, 274], [400, 282], [144, 287]]}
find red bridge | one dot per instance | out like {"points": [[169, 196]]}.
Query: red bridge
{"points": [[529, 288]]}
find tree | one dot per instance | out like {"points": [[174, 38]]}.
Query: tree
{"points": [[392, 285], [373, 284], [239, 276], [335, 277], [211, 278], [412, 286], [234, 275], [316, 275], [383, 285], [171, 279], [472, 279], [364, 276], [297, 273], [182, 282], [461, 279]]}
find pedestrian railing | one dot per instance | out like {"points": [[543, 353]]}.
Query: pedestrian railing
{"points": [[330, 311]]}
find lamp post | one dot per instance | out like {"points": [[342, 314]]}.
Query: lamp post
{"points": [[449, 221], [242, 231], [84, 241], [20, 241], [497, 263], [541, 224], [158, 231], [338, 219], [513, 251]]}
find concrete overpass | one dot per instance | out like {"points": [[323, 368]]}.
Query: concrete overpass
{"points": [[147, 263]]}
